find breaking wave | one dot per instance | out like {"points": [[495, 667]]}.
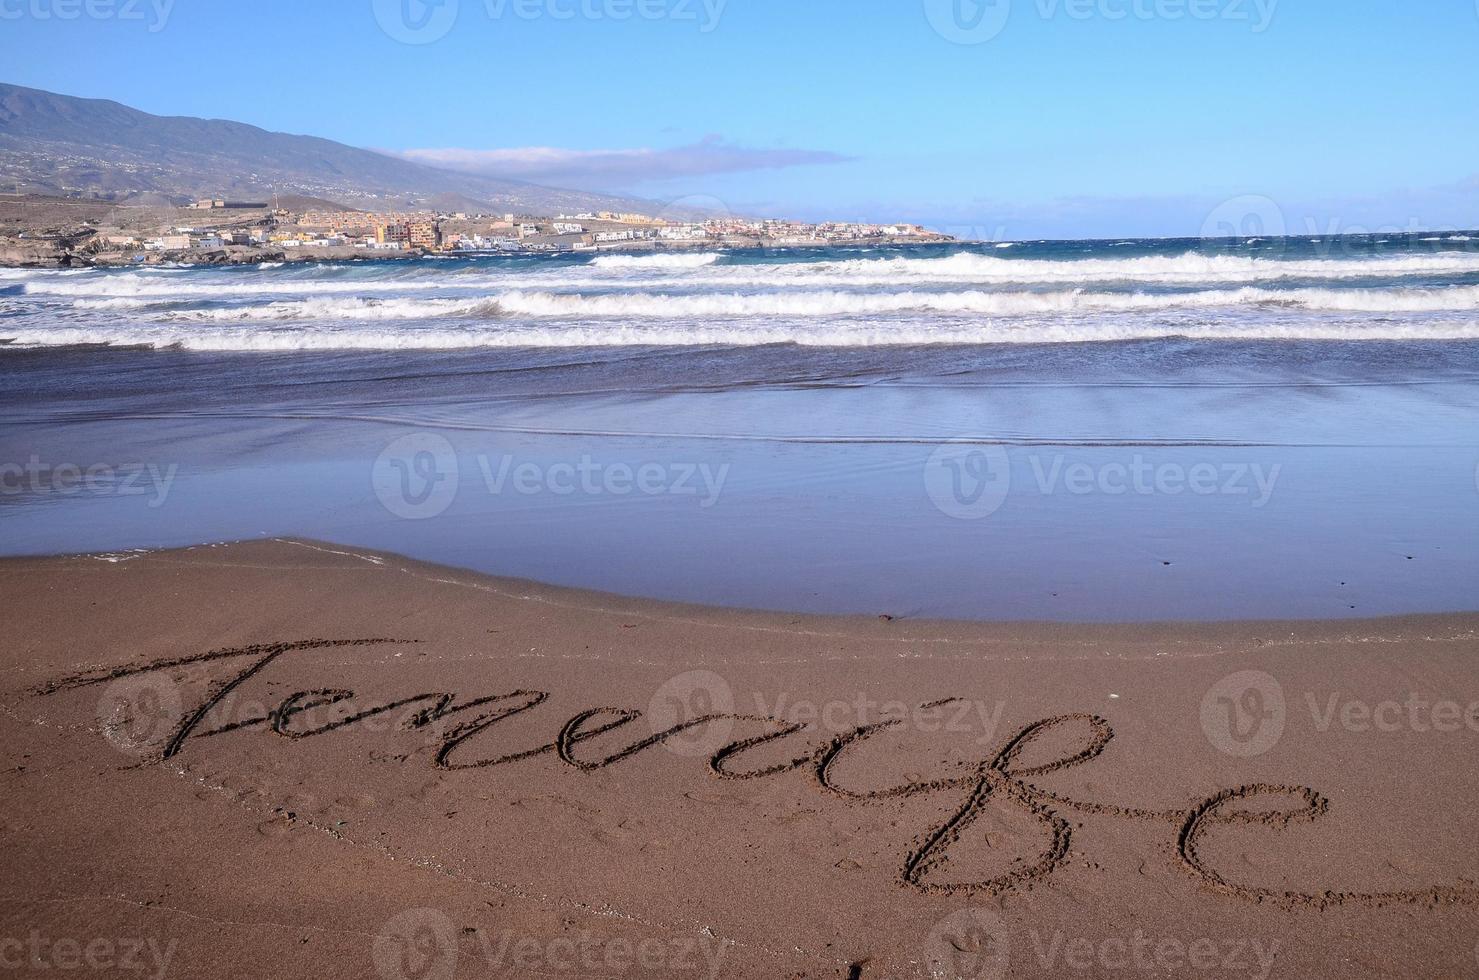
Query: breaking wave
{"points": [[321, 336], [838, 303], [805, 305], [704, 270], [680, 260], [1031, 293], [1187, 269]]}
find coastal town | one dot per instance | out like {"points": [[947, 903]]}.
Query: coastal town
{"points": [[222, 231]]}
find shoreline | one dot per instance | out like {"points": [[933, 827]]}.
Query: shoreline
{"points": [[504, 770], [14, 257], [1244, 627], [1099, 513]]}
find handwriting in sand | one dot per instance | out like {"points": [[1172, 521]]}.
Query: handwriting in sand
{"points": [[1001, 779]]}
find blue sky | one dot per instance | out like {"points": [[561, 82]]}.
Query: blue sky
{"points": [[1062, 118]]}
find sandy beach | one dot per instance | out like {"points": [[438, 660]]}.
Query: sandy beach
{"points": [[287, 758], [846, 523]]}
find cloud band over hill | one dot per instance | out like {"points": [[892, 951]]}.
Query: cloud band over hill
{"points": [[621, 167]]}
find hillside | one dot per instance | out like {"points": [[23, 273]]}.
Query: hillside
{"points": [[58, 144]]}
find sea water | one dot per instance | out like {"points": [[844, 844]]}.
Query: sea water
{"points": [[1045, 430]]}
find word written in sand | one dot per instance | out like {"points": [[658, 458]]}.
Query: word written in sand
{"points": [[1002, 779]]}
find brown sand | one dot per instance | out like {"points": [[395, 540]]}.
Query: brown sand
{"points": [[574, 784]]}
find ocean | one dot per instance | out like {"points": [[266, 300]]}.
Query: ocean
{"points": [[1368, 288], [1106, 430]]}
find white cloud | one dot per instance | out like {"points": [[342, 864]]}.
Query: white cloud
{"points": [[618, 168]]}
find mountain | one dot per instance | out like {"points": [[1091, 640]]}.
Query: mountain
{"points": [[58, 144]]}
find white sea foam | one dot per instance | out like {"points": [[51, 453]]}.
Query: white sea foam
{"points": [[698, 271], [833, 303], [838, 303], [42, 274], [662, 260], [161, 287], [1187, 269], [694, 298], [319, 336], [342, 308]]}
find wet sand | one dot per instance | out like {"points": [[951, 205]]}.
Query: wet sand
{"points": [[285, 758], [1167, 481]]}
